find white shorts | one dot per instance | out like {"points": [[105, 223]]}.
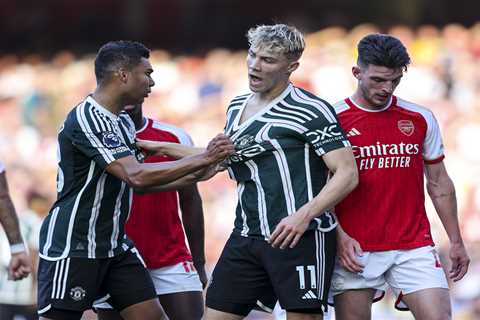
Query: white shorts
{"points": [[405, 271], [181, 277]]}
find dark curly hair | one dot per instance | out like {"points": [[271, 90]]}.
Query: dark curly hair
{"points": [[382, 50], [118, 54]]}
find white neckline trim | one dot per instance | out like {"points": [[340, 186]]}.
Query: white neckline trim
{"points": [[260, 112], [102, 108], [144, 126], [370, 110]]}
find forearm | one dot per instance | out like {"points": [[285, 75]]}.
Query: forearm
{"points": [[193, 222], [9, 220], [442, 193], [180, 183], [149, 175], [175, 150], [343, 181]]}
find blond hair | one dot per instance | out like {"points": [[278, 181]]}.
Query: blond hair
{"points": [[279, 38]]}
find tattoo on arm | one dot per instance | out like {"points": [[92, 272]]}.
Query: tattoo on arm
{"points": [[8, 216]]}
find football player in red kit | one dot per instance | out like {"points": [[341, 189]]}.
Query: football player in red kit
{"points": [[385, 236], [156, 229]]}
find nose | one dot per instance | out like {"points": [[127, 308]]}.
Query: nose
{"points": [[151, 83], [254, 63], [388, 87]]}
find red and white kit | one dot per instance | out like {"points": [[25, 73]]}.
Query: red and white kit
{"points": [[386, 212], [155, 227]]}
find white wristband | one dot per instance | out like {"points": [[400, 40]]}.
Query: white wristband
{"points": [[17, 248]]}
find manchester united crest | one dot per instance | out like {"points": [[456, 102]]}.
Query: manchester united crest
{"points": [[77, 293], [406, 127]]}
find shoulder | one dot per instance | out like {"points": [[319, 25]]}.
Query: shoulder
{"points": [[77, 117], [341, 106], [179, 133], [301, 98], [408, 106], [237, 101]]}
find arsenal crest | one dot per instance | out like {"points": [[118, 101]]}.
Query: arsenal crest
{"points": [[406, 127]]}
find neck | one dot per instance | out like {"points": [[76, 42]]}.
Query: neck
{"points": [[109, 101], [271, 94], [139, 120], [359, 98]]}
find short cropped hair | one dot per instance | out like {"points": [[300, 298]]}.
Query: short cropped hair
{"points": [[278, 38], [382, 50], [118, 54]]}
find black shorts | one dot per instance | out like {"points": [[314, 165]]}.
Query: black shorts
{"points": [[70, 286], [250, 274]]}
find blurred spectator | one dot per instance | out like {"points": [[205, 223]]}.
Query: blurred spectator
{"points": [[18, 299], [194, 91]]}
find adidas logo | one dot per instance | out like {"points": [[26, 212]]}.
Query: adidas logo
{"points": [[309, 295], [353, 132]]}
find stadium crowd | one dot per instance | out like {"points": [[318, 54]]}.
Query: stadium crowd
{"points": [[192, 92]]}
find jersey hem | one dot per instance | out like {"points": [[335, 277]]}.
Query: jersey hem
{"points": [[169, 263], [407, 246], [116, 253]]}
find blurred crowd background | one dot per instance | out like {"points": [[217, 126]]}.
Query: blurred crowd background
{"points": [[193, 87]]}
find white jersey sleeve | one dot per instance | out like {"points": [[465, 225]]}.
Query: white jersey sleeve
{"points": [[2, 167], [433, 150], [181, 134]]}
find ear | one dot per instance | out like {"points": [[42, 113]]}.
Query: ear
{"points": [[357, 71], [293, 66], [122, 75]]}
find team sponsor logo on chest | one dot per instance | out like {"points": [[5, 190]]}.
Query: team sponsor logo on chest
{"points": [[406, 127], [385, 155]]}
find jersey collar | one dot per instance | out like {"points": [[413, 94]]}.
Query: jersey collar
{"points": [[101, 108], [352, 103]]}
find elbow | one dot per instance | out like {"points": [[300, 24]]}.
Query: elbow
{"points": [[353, 179]]}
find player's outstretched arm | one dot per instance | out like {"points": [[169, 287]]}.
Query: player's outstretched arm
{"points": [[20, 264], [146, 175], [177, 150], [345, 178], [442, 192], [171, 149]]}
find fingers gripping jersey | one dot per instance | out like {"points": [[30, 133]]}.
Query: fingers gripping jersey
{"points": [[277, 164], [386, 211], [88, 218]]}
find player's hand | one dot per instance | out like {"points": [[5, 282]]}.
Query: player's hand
{"points": [[219, 148], [20, 266], [460, 261], [202, 274], [289, 231], [348, 249]]}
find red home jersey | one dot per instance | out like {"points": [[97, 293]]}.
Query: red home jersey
{"points": [[154, 224], [386, 211]]}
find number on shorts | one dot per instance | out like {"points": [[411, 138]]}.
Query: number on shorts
{"points": [[301, 276]]}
